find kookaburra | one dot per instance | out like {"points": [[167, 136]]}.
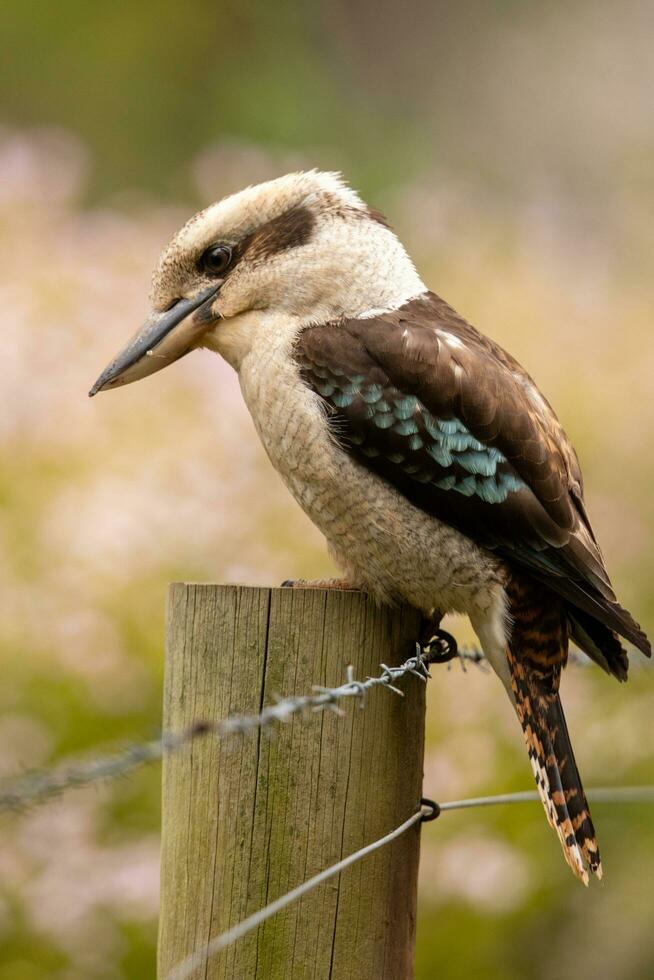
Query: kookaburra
{"points": [[426, 455]]}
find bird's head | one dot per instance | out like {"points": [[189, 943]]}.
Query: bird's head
{"points": [[303, 247]]}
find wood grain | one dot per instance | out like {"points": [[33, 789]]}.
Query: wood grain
{"points": [[248, 819]]}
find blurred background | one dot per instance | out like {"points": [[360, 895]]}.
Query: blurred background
{"points": [[512, 146]]}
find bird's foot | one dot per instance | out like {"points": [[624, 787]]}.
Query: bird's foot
{"points": [[438, 645], [339, 584]]}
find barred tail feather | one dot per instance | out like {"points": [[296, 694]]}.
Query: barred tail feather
{"points": [[573, 789], [553, 763]]}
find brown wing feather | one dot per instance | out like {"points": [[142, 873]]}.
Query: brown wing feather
{"points": [[427, 352]]}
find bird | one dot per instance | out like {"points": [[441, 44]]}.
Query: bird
{"points": [[436, 470]]}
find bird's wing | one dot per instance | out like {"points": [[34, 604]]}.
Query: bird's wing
{"points": [[453, 422]]}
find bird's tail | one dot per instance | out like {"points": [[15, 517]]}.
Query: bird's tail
{"points": [[537, 651]]}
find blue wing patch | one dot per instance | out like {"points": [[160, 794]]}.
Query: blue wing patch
{"points": [[443, 452]]}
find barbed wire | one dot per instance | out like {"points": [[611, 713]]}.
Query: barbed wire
{"points": [[429, 810], [39, 786], [42, 785]]}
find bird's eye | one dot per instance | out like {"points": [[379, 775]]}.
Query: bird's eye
{"points": [[216, 259]]}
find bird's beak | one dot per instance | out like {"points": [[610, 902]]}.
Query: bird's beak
{"points": [[163, 338]]}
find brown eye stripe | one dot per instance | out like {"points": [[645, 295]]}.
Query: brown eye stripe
{"points": [[288, 230]]}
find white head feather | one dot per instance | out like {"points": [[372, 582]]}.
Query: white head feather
{"points": [[343, 261], [250, 272]]}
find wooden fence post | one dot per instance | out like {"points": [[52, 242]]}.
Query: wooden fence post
{"points": [[247, 819]]}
